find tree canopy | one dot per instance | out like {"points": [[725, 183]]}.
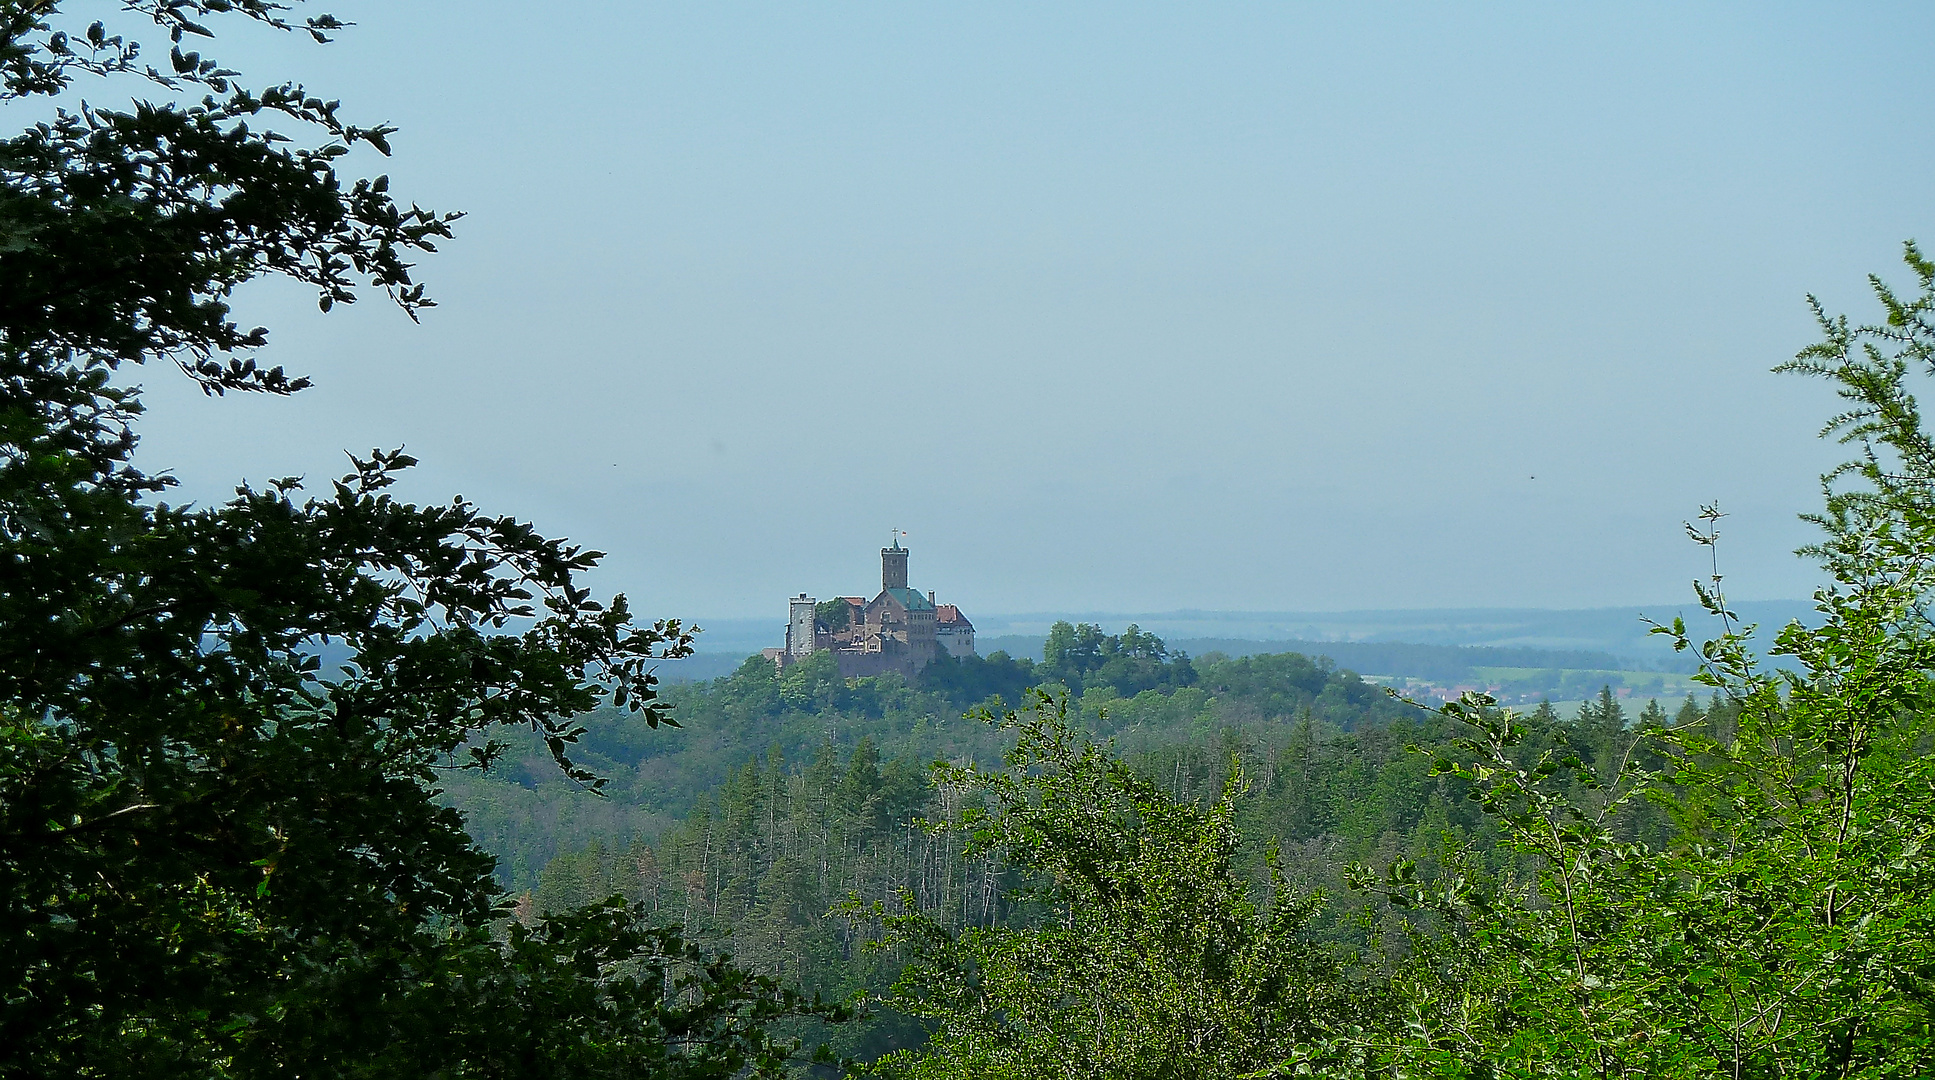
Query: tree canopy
{"points": [[216, 858], [1081, 655]]}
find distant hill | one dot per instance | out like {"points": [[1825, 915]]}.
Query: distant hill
{"points": [[1438, 662], [700, 667], [1425, 643], [1449, 663], [1618, 632]]}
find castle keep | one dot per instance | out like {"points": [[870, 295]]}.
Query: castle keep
{"points": [[898, 630]]}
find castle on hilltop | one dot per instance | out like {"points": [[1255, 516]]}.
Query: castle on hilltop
{"points": [[898, 630]]}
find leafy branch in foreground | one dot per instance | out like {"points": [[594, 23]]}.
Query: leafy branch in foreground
{"points": [[215, 860], [1788, 927], [123, 232]]}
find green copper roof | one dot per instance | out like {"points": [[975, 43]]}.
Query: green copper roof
{"points": [[911, 600]]}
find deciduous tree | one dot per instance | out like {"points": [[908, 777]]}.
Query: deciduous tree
{"points": [[217, 859]]}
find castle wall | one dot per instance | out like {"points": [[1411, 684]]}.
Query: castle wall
{"points": [[956, 642], [860, 665], [921, 639]]}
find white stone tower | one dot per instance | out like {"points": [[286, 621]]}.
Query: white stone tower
{"points": [[800, 620]]}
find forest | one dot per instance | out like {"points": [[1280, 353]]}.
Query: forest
{"points": [[526, 813], [490, 843], [785, 860]]}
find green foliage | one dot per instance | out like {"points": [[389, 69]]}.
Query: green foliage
{"points": [[123, 232], [1082, 656], [834, 614], [598, 992], [1784, 926], [757, 867], [783, 839], [1152, 958], [974, 679], [657, 776], [213, 861]]}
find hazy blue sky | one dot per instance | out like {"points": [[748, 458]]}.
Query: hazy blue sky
{"points": [[1110, 307]]}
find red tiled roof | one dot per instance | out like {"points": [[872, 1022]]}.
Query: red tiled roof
{"points": [[948, 613]]}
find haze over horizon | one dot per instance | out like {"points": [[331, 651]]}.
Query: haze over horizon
{"points": [[1622, 631], [1112, 308]]}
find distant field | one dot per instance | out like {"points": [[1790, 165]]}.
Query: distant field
{"points": [[1565, 688], [1653, 683]]}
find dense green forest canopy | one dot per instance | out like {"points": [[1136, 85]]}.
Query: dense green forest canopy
{"points": [[1128, 686], [787, 836], [785, 796], [527, 813]]}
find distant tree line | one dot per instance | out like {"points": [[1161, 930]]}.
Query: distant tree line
{"points": [[1439, 663]]}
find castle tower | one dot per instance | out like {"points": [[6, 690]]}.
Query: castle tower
{"points": [[800, 621], [893, 566]]}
